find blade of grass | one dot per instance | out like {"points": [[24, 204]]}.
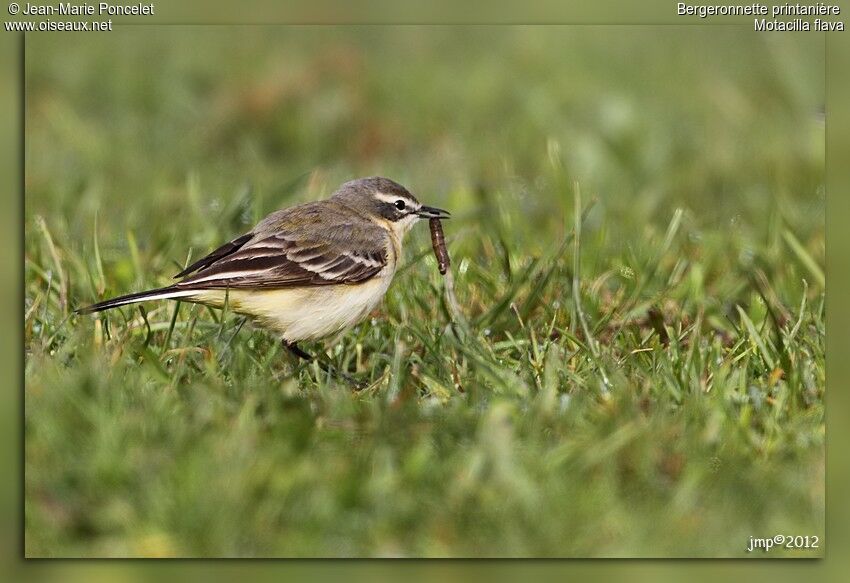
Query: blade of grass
{"points": [[756, 338], [98, 262], [504, 302], [805, 258], [532, 273], [57, 263], [591, 341], [224, 308], [171, 325], [46, 302], [134, 257], [650, 270], [149, 334], [799, 322]]}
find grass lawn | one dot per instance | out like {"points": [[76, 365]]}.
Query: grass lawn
{"points": [[637, 368]]}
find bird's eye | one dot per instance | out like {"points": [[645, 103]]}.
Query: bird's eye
{"points": [[399, 204]]}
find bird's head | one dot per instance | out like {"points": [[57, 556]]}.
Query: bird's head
{"points": [[387, 203]]}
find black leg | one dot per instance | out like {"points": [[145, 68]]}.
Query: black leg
{"points": [[293, 348], [325, 366]]}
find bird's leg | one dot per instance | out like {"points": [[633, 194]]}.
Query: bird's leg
{"points": [[293, 348], [325, 366]]}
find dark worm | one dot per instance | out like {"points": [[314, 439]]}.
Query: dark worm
{"points": [[438, 241]]}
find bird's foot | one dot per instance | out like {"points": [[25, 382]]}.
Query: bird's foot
{"points": [[326, 366]]}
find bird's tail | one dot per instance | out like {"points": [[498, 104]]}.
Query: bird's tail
{"points": [[163, 293]]}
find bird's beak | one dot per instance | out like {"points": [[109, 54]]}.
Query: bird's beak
{"points": [[430, 212]]}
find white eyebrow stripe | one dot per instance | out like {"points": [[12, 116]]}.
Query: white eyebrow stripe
{"points": [[391, 199]]}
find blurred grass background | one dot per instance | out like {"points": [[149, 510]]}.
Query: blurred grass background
{"points": [[688, 420]]}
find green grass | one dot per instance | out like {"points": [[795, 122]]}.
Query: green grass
{"points": [[652, 387]]}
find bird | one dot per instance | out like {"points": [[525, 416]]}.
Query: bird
{"points": [[308, 271]]}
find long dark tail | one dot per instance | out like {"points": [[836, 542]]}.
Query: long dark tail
{"points": [[162, 293]]}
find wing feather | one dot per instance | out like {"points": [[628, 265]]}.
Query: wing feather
{"points": [[216, 255], [283, 260]]}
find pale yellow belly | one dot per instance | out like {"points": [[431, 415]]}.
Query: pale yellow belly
{"points": [[304, 313]]}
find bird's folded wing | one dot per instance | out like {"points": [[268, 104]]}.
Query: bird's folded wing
{"points": [[223, 251], [288, 260]]}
